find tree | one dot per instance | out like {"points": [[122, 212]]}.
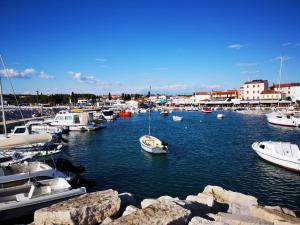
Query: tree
{"points": [[109, 96], [149, 94]]}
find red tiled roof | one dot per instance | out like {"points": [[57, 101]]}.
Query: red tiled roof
{"points": [[201, 93], [286, 85], [270, 92], [229, 92]]}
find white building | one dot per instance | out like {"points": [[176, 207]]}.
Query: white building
{"points": [[271, 95], [295, 93], [291, 90], [253, 89], [202, 96]]}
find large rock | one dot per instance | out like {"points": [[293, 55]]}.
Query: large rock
{"points": [[199, 220], [272, 215], [129, 209], [148, 201], [161, 212], [91, 208], [201, 198], [234, 219], [223, 196]]}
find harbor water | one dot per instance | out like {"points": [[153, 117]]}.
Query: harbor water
{"points": [[202, 150]]}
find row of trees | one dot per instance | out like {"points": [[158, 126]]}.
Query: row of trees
{"points": [[40, 98]]}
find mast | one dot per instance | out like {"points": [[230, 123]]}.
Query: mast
{"points": [[2, 102], [149, 115], [280, 74]]}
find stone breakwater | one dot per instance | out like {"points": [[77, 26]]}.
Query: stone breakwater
{"points": [[214, 205]]}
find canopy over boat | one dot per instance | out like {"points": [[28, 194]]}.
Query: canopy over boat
{"points": [[23, 140]]}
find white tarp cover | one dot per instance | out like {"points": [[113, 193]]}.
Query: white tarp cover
{"points": [[23, 140]]}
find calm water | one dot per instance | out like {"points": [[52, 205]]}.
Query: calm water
{"points": [[202, 150]]}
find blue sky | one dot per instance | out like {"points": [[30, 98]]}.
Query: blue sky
{"points": [[126, 46]]}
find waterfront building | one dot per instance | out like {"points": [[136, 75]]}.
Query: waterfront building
{"points": [[271, 95], [252, 89], [202, 96], [224, 95], [291, 90]]}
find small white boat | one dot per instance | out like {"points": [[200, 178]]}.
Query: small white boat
{"points": [[153, 145], [20, 173], [281, 119], [283, 154], [220, 116], [164, 112], [24, 200], [177, 118]]}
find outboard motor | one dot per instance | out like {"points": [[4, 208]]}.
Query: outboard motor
{"points": [[164, 144]]}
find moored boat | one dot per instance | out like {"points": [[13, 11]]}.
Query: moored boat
{"points": [[281, 119], [153, 145], [125, 114], [284, 154], [20, 173], [220, 116], [177, 118], [206, 110], [24, 200]]}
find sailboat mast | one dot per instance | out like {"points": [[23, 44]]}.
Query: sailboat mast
{"points": [[280, 74], [149, 116], [2, 102]]}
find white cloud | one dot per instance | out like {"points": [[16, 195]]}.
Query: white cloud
{"points": [[246, 64], [28, 71], [284, 58], [94, 81], [45, 76], [246, 72], [236, 46], [100, 60], [286, 44], [10, 72], [291, 44]]}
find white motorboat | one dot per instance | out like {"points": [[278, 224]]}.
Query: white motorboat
{"points": [[20, 173], [220, 116], [24, 200], [177, 118], [153, 145], [108, 115], [40, 127], [283, 154], [279, 118], [164, 112], [75, 121]]}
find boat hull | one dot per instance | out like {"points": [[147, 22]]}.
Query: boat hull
{"points": [[29, 207], [284, 162], [152, 149]]}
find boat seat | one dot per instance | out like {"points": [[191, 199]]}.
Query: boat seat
{"points": [[21, 197]]}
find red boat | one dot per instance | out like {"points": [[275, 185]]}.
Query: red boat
{"points": [[124, 114], [206, 110]]}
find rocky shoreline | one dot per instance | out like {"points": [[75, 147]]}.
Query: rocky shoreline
{"points": [[214, 205]]}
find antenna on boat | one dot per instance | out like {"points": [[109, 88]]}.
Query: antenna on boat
{"points": [[2, 102]]}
